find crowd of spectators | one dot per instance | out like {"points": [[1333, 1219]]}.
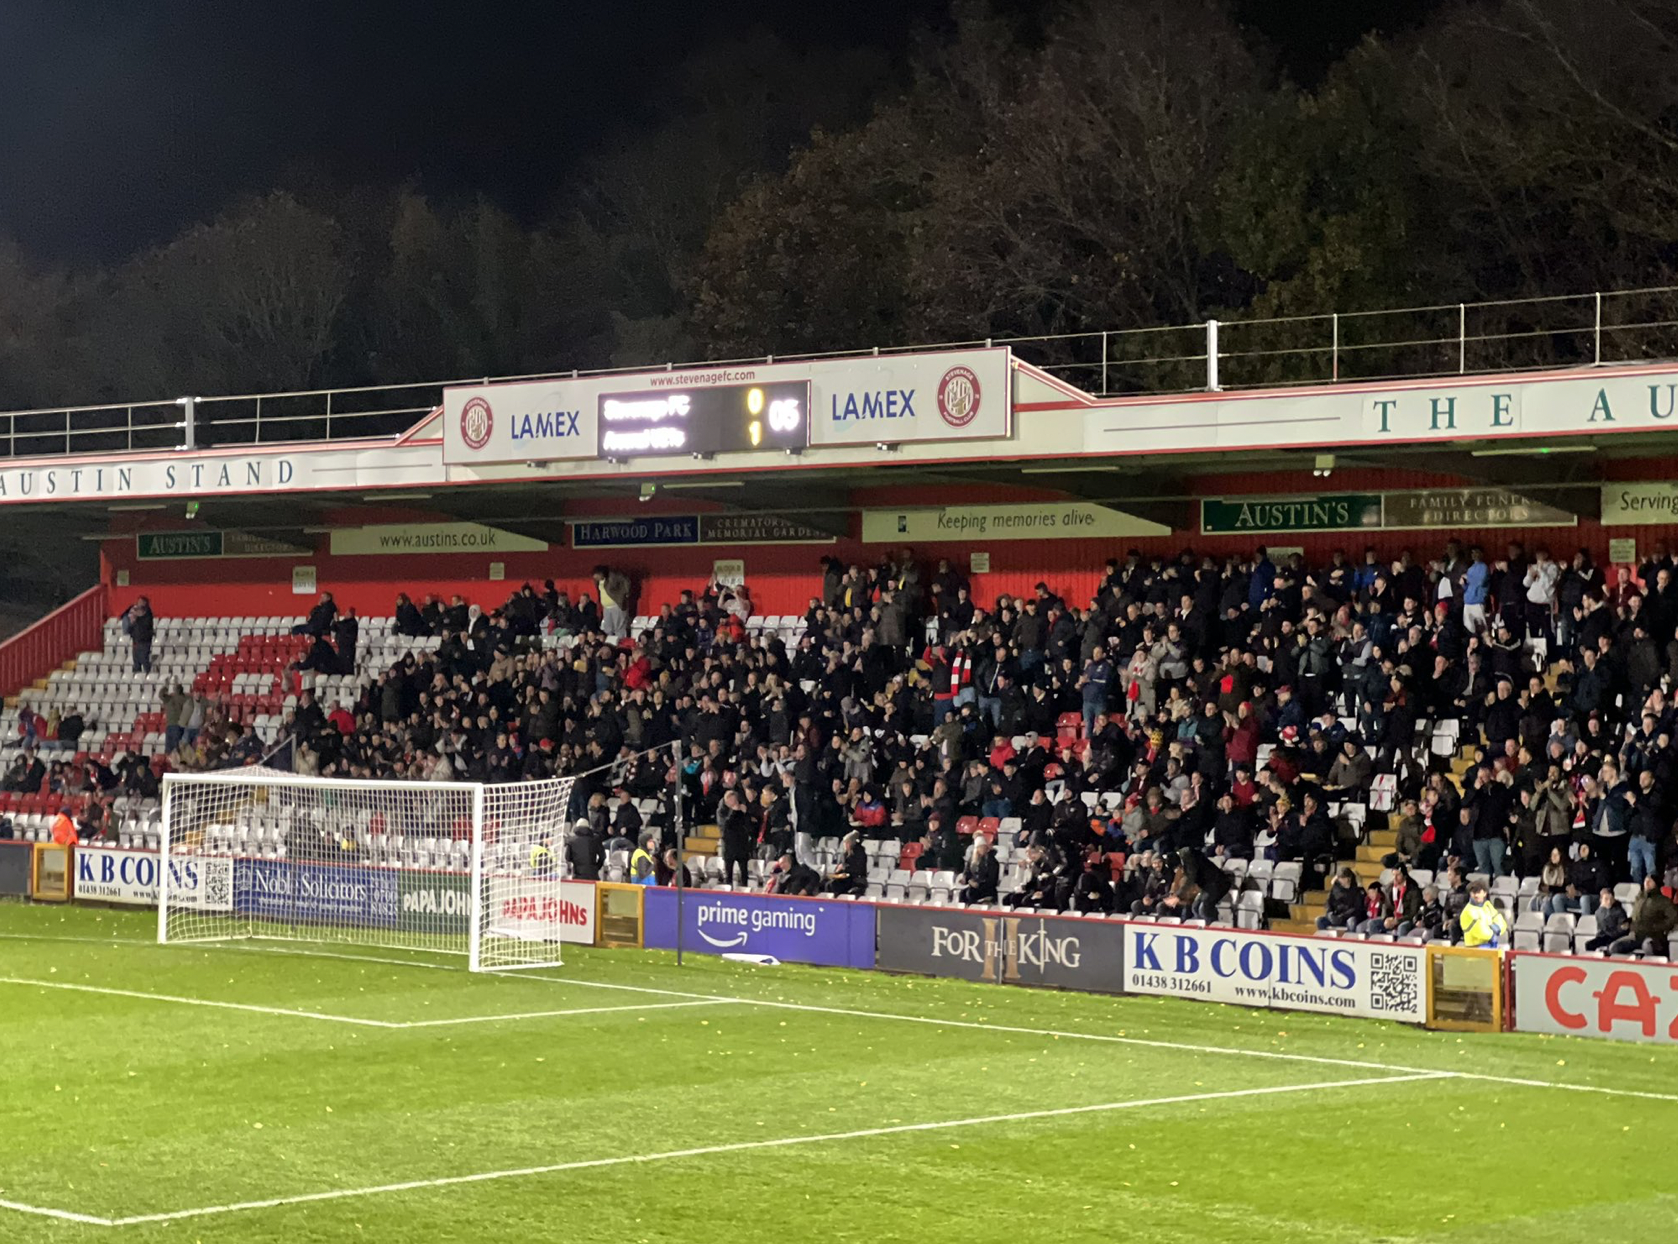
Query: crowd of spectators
{"points": [[904, 706]]}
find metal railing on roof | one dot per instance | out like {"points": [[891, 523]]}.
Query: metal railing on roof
{"points": [[1408, 343]]}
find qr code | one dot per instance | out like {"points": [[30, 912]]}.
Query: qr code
{"points": [[218, 887], [1395, 983]]}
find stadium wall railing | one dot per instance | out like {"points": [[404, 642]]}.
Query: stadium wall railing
{"points": [[1449, 988], [74, 627]]}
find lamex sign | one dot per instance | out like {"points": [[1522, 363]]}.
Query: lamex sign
{"points": [[110, 875], [441, 902], [1002, 949], [294, 892], [946, 395], [1372, 979], [797, 930], [1618, 999]]}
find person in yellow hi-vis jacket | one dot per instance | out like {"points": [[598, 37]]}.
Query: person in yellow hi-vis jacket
{"points": [[1482, 924]]}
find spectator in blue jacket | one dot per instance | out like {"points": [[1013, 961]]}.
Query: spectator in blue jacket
{"points": [[1475, 582]]}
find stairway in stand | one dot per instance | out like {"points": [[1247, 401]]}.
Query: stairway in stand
{"points": [[1302, 915], [703, 840]]}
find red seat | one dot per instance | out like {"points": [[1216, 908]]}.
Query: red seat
{"points": [[1070, 721], [967, 824], [991, 826], [1115, 864]]}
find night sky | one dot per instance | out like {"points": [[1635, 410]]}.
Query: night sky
{"points": [[121, 122]]}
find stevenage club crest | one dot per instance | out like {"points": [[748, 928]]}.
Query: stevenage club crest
{"points": [[477, 421], [958, 397]]}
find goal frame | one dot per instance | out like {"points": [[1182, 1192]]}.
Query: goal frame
{"points": [[477, 874]]}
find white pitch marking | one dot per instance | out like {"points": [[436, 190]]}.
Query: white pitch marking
{"points": [[581, 1010], [1180, 1046], [370, 1023], [64, 1215], [780, 1143], [225, 1006]]}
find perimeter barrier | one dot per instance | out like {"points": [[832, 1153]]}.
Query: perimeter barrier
{"points": [[1449, 988]]}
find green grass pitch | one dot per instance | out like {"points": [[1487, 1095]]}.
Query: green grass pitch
{"points": [[618, 1099]]}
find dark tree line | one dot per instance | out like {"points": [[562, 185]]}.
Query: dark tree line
{"points": [[1118, 163]]}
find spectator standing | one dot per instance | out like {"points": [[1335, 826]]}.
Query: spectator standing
{"points": [[1096, 684], [1649, 827], [735, 824], [613, 588], [1542, 578], [585, 851], [140, 626], [1475, 582], [177, 707]]}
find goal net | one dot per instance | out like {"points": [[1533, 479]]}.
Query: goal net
{"points": [[453, 867]]}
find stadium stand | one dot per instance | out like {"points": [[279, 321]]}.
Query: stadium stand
{"points": [[1259, 729]]}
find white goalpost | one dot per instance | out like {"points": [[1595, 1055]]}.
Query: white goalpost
{"points": [[455, 867]]}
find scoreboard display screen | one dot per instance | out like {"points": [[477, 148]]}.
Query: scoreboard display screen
{"points": [[710, 419]]}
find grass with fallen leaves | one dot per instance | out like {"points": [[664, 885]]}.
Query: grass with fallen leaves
{"points": [[790, 1107]]}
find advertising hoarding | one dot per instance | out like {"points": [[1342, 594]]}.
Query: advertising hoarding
{"points": [[1647, 504], [1000, 948], [429, 539], [1039, 520], [1375, 980], [294, 892], [656, 530], [1618, 999], [440, 901], [112, 875], [796, 930]]}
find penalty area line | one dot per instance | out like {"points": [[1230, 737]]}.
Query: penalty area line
{"points": [[1185, 1047], [580, 1010], [220, 1006], [783, 1142], [62, 1215], [389, 1025]]}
